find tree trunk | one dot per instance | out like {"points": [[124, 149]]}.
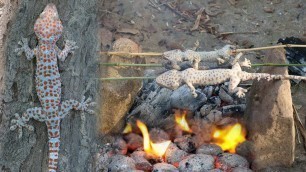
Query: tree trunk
{"points": [[78, 75]]}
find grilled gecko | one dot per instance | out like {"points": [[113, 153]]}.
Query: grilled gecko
{"points": [[192, 77], [222, 55], [48, 29]]}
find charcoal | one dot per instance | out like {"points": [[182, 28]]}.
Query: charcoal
{"points": [[182, 98], [164, 167], [198, 162], [233, 109], [295, 55], [174, 155], [140, 161], [205, 109], [241, 169], [119, 146], [214, 116], [228, 160], [208, 91], [158, 135], [227, 121], [224, 96], [120, 163], [186, 143], [134, 141], [209, 149], [215, 100]]}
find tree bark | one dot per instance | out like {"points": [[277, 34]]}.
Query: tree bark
{"points": [[78, 75]]}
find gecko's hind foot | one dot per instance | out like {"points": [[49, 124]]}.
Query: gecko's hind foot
{"points": [[85, 104], [18, 123], [71, 46], [246, 63]]}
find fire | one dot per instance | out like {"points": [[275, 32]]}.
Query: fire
{"points": [[157, 149], [127, 129], [229, 137], [180, 119]]}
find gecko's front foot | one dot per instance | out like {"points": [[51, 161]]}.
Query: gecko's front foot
{"points": [[18, 123], [85, 104], [23, 46], [246, 63], [241, 92]]}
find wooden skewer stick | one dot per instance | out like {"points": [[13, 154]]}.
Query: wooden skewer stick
{"points": [[235, 51], [160, 65], [125, 78], [269, 47]]}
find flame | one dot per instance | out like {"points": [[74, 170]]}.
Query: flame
{"points": [[157, 149], [180, 119], [127, 129], [229, 137]]}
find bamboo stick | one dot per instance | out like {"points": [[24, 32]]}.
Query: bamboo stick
{"points": [[160, 65], [235, 51]]}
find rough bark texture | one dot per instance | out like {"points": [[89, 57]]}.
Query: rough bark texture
{"points": [[78, 75], [270, 118]]}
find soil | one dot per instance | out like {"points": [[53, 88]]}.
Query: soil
{"points": [[161, 25]]}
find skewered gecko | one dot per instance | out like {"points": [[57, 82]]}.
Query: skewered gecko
{"points": [[192, 77], [48, 29], [221, 55]]}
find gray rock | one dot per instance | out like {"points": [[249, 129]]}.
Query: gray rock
{"points": [[120, 163], [182, 98], [197, 163], [174, 155], [229, 160], [209, 149], [186, 143], [241, 169], [164, 167]]}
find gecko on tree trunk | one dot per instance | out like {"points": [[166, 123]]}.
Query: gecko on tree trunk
{"points": [[48, 29], [192, 77]]}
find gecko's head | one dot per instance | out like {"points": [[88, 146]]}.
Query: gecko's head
{"points": [[227, 51], [48, 26], [170, 79]]}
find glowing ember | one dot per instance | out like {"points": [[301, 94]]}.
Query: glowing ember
{"points": [[180, 119], [157, 149], [127, 129], [229, 137]]}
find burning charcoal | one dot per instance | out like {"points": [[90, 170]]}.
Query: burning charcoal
{"points": [[214, 116], [215, 100], [140, 162], [119, 146], [224, 96], [198, 162], [119, 163], [227, 121], [182, 98], [230, 109], [134, 141], [174, 155], [163, 167], [208, 91], [209, 149], [203, 132], [158, 135], [227, 161], [205, 109], [186, 143], [241, 169]]}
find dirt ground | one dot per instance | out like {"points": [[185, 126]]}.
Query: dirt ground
{"points": [[161, 25]]}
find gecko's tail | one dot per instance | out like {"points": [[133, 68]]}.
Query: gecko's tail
{"points": [[54, 144], [273, 77]]}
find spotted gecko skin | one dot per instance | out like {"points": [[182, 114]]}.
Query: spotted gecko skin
{"points": [[48, 29], [221, 55], [192, 77]]}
